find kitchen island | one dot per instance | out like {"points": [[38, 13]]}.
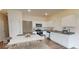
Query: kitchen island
{"points": [[64, 39]]}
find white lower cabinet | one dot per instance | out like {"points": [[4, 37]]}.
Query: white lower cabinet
{"points": [[62, 39]]}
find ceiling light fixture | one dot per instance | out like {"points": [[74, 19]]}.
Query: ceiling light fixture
{"points": [[29, 10], [46, 14]]}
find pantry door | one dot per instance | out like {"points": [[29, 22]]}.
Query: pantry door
{"points": [[27, 26]]}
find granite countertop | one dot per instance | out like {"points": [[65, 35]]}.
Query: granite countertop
{"points": [[56, 31], [70, 33]]}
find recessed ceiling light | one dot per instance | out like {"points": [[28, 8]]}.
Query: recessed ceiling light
{"points": [[29, 10], [46, 14]]}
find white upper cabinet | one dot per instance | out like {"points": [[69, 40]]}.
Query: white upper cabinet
{"points": [[15, 22], [68, 20]]}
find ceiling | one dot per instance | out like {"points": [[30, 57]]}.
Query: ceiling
{"points": [[41, 12], [36, 12]]}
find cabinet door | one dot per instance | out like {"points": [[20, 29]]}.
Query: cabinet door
{"points": [[60, 39], [68, 20]]}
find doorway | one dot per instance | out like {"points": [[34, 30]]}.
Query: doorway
{"points": [[4, 30]]}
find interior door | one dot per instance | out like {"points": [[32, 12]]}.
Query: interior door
{"points": [[27, 26]]}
